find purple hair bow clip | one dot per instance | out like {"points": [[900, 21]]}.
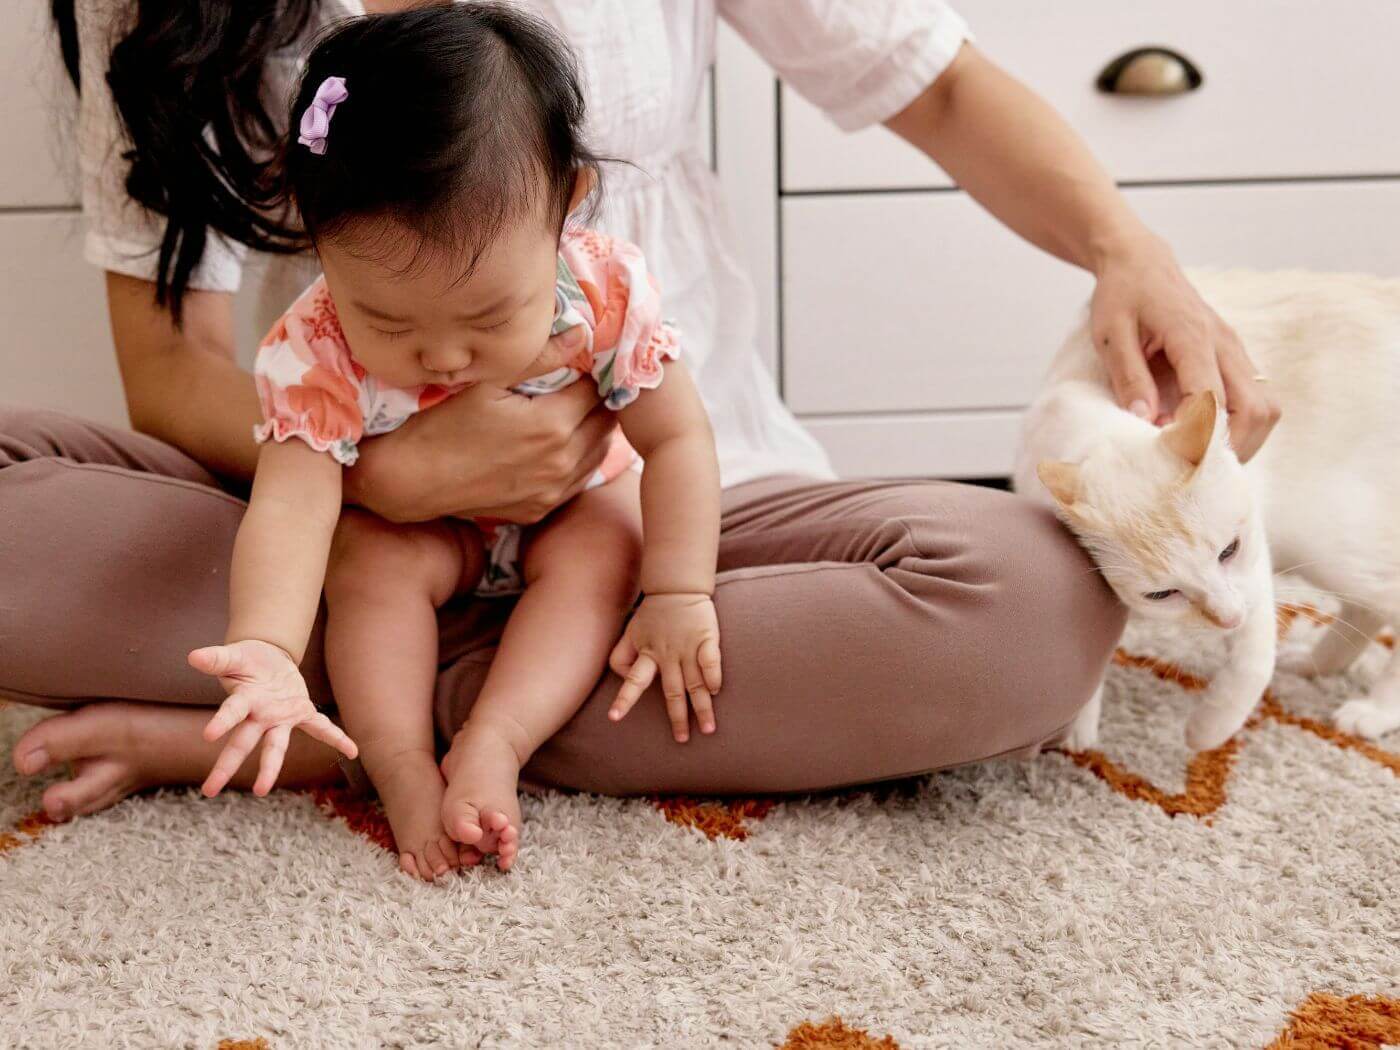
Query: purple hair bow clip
{"points": [[316, 121]]}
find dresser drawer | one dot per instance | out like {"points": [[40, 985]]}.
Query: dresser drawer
{"points": [[920, 302], [1291, 88]]}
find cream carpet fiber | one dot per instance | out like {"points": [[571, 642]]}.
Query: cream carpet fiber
{"points": [[1133, 898]]}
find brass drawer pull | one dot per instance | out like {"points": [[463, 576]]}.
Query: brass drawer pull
{"points": [[1151, 71]]}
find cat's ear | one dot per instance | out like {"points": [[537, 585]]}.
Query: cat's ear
{"points": [[1062, 480], [1189, 435]]}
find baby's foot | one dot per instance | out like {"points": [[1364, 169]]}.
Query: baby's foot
{"points": [[480, 808], [411, 787]]}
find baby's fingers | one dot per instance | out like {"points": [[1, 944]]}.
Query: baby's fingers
{"points": [[699, 696], [274, 750], [232, 711], [634, 685], [673, 687], [326, 731], [240, 745], [710, 664], [217, 660], [623, 656]]}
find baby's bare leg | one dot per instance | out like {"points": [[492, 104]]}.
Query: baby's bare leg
{"points": [[383, 587], [581, 570]]}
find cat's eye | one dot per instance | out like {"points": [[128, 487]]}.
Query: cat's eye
{"points": [[1158, 596], [1229, 552]]}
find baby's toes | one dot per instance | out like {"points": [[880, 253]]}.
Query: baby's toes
{"points": [[461, 821], [470, 856], [438, 858], [507, 846], [408, 864]]}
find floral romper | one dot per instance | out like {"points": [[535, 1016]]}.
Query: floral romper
{"points": [[310, 387]]}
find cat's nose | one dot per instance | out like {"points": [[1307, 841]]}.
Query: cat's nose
{"points": [[1226, 621]]}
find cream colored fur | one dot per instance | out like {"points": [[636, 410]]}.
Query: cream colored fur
{"points": [[1323, 495]]}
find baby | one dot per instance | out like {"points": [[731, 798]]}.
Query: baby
{"points": [[440, 173]]}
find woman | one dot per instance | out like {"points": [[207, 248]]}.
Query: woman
{"points": [[872, 630]]}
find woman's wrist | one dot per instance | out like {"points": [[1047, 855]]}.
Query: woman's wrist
{"points": [[1122, 243]]}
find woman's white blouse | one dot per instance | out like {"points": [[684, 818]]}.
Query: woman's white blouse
{"points": [[643, 65]]}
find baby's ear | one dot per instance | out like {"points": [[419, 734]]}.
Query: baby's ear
{"points": [[1189, 435], [585, 182], [1062, 480]]}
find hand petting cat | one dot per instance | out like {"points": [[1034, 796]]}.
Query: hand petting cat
{"points": [[1144, 313]]}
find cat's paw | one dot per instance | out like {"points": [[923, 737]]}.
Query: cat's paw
{"points": [[1083, 732], [1368, 718], [1080, 737], [1301, 662], [1210, 725]]}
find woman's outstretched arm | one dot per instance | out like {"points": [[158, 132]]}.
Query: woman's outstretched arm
{"points": [[1018, 158]]}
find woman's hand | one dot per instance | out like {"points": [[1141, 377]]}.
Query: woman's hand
{"points": [[1144, 306], [487, 453], [676, 635], [266, 696]]}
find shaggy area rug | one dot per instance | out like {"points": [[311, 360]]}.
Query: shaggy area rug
{"points": [[1131, 896]]}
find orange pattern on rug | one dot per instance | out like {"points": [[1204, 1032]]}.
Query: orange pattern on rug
{"points": [[244, 1044], [364, 815], [715, 818], [1326, 1022], [834, 1034], [1209, 771], [1206, 774], [27, 829]]}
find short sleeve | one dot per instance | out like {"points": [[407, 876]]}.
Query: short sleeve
{"points": [[862, 61], [308, 385], [122, 236], [631, 340]]}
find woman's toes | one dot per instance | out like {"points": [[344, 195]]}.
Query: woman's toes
{"points": [[409, 865], [97, 783], [32, 761], [494, 820]]}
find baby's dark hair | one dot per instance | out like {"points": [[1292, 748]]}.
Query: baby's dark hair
{"points": [[455, 117]]}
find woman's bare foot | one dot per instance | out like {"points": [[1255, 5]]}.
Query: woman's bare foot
{"points": [[480, 808], [117, 748], [410, 786]]}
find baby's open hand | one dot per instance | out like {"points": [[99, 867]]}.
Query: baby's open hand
{"points": [[266, 695], [676, 635]]}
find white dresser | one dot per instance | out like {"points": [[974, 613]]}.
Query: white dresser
{"points": [[914, 354], [909, 329]]}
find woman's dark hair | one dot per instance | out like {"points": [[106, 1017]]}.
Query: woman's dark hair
{"points": [[459, 119], [187, 79]]}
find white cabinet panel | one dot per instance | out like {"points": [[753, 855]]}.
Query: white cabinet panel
{"points": [[56, 350], [918, 302], [36, 111], [1291, 88]]}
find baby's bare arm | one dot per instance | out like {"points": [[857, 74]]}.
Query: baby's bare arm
{"points": [[279, 558], [668, 426], [279, 564], [675, 633]]}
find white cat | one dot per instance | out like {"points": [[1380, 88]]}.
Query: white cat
{"points": [[1183, 532]]}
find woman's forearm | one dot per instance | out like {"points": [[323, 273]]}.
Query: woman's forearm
{"points": [[203, 404], [1020, 160], [183, 385]]}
